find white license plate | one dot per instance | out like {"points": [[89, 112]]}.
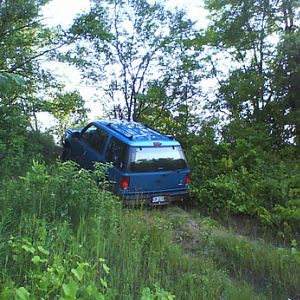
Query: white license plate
{"points": [[158, 199]]}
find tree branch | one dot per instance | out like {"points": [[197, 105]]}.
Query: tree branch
{"points": [[16, 67], [28, 25]]}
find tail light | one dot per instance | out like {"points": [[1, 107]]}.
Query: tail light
{"points": [[125, 183], [187, 179]]}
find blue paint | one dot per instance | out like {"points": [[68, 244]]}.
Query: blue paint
{"points": [[148, 166]]}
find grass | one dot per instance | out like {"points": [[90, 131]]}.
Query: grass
{"points": [[271, 271], [63, 237]]}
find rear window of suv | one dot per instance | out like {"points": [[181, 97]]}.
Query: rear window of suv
{"points": [[153, 159]]}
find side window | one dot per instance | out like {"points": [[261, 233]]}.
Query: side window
{"points": [[99, 139], [116, 153], [88, 134], [96, 138]]}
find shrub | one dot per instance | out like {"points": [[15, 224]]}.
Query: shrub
{"points": [[60, 192], [245, 177]]}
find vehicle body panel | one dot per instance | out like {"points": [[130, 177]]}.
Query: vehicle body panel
{"points": [[153, 163]]}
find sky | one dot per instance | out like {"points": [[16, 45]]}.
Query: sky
{"points": [[62, 12]]}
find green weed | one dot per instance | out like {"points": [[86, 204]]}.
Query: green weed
{"points": [[64, 237]]}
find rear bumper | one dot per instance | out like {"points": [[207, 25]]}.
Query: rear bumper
{"points": [[147, 198]]}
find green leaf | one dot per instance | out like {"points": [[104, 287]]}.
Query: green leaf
{"points": [[22, 294], [36, 259], [106, 268], [28, 248], [70, 289], [103, 282], [147, 294], [43, 250], [78, 273], [10, 81]]}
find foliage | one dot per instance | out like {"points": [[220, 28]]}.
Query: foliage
{"points": [[18, 145], [53, 276], [286, 75], [68, 108], [260, 84], [58, 222], [261, 263], [23, 41], [245, 177], [171, 110], [25, 86], [158, 294], [12, 139], [132, 46], [52, 197], [10, 83], [66, 224]]}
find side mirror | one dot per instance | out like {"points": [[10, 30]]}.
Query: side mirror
{"points": [[76, 134]]}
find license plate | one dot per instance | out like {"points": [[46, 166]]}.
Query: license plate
{"points": [[158, 199]]}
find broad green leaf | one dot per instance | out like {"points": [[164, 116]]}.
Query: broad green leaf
{"points": [[106, 268], [70, 289], [78, 273], [43, 250], [22, 294], [28, 248], [36, 259], [103, 282]]}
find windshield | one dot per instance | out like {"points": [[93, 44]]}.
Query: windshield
{"points": [[153, 159]]}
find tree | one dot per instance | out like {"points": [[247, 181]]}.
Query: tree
{"points": [[24, 40], [286, 69], [67, 108], [130, 46], [25, 43], [247, 32], [24, 84]]}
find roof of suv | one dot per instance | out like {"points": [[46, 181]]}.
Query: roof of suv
{"points": [[136, 134]]}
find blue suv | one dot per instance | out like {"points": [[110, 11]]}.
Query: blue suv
{"points": [[147, 166]]}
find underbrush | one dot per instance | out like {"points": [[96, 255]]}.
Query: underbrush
{"points": [[272, 272], [242, 178], [64, 237]]}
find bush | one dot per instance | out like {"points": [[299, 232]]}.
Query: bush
{"points": [[245, 177], [57, 225], [59, 192]]}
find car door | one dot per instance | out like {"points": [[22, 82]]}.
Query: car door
{"points": [[94, 141], [117, 155], [76, 147]]}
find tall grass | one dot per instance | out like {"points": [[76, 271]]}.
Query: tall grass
{"points": [[275, 271], [272, 272], [64, 237]]}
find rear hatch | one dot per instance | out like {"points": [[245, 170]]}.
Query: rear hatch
{"points": [[157, 169]]}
